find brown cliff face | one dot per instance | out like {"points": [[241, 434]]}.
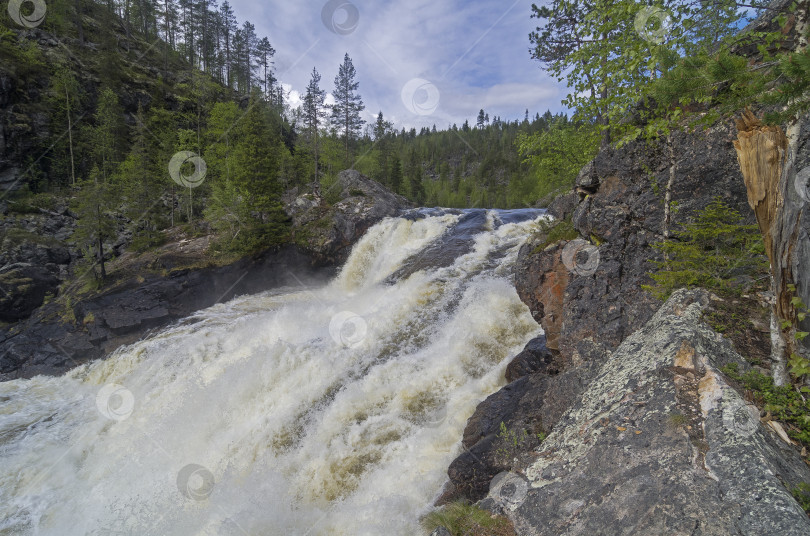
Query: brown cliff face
{"points": [[542, 288]]}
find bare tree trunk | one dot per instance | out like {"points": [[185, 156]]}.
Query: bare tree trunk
{"points": [[670, 183], [100, 250], [763, 153]]}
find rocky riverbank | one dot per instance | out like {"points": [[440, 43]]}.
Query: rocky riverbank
{"points": [[49, 334], [619, 420]]}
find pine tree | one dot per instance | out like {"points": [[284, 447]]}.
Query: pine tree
{"points": [[314, 113], [417, 186], [229, 28], [107, 135], [382, 129], [481, 119], [265, 53], [95, 224], [348, 104]]}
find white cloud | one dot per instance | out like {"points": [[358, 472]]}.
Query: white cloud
{"points": [[455, 44]]}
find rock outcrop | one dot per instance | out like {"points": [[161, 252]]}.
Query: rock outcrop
{"points": [[588, 297], [34, 260], [51, 338], [660, 443], [54, 340], [327, 231]]}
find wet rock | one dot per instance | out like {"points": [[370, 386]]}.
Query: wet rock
{"points": [[56, 338], [534, 358], [23, 288], [660, 443], [528, 407]]}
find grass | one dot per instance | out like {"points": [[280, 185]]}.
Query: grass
{"points": [[514, 442], [464, 519]]}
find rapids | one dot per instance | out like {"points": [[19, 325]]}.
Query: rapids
{"points": [[326, 410]]}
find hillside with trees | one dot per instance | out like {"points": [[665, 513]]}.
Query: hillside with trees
{"points": [[114, 90]]}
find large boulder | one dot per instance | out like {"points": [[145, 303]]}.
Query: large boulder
{"points": [[510, 423], [660, 443], [328, 230]]}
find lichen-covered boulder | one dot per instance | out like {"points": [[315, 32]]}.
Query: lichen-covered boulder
{"points": [[660, 443]]}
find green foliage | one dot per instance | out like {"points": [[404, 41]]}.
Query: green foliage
{"points": [[717, 82], [799, 365], [96, 224], [463, 519], [28, 203], [786, 403], [557, 154], [243, 158], [608, 64], [717, 251], [555, 230]]}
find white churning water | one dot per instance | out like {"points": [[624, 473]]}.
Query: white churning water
{"points": [[332, 410]]}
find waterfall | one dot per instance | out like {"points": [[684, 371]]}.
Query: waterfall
{"points": [[326, 410]]}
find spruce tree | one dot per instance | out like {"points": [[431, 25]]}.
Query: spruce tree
{"points": [[396, 174]]}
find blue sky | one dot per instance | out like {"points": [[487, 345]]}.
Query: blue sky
{"points": [[475, 53]]}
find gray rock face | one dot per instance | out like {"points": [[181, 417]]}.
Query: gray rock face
{"points": [[327, 232], [659, 443], [33, 262], [619, 209]]}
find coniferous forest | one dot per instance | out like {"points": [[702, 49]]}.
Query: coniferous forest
{"points": [[129, 84]]}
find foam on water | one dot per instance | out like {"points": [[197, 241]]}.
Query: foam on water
{"points": [[331, 410]]}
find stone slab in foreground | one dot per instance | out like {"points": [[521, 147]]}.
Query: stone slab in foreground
{"points": [[661, 444]]}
